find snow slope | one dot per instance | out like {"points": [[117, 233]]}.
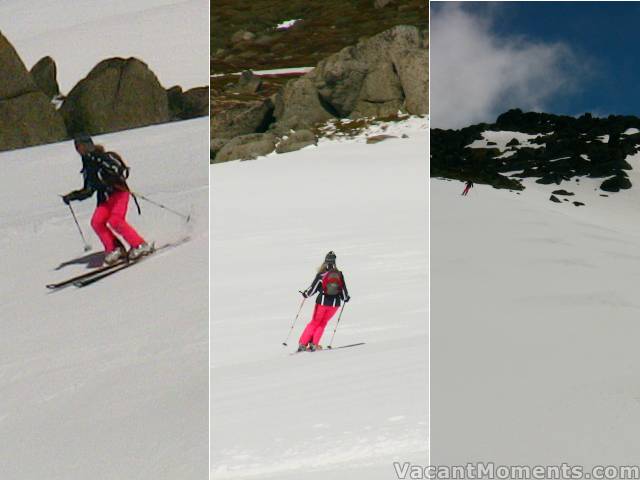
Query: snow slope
{"points": [[110, 381], [534, 325], [339, 414], [171, 36]]}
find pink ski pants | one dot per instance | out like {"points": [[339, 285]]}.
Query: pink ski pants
{"points": [[314, 330], [109, 216]]}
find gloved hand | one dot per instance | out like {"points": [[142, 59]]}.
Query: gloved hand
{"points": [[304, 294], [66, 198], [347, 299]]}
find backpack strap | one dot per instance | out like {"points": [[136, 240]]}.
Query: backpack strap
{"points": [[135, 199]]}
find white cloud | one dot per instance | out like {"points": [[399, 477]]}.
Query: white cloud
{"points": [[476, 74]]}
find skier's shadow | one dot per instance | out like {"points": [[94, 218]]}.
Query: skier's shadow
{"points": [[92, 260]]}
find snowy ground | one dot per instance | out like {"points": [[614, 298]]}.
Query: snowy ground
{"points": [[107, 382], [339, 414], [272, 72], [171, 36], [534, 325], [499, 139]]}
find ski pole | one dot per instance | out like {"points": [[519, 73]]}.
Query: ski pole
{"points": [[182, 215], [337, 323], [87, 247], [294, 322]]}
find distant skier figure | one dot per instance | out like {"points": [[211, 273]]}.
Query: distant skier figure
{"points": [[467, 187], [331, 288], [106, 174]]}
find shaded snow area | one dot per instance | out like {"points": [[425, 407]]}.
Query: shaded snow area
{"points": [[339, 414], [499, 140], [109, 381], [171, 36], [534, 325]]}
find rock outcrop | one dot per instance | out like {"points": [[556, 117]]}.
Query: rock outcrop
{"points": [[45, 76], [27, 116], [247, 147], [296, 141], [299, 106], [117, 94], [616, 183], [248, 83], [242, 119], [377, 77], [190, 104]]}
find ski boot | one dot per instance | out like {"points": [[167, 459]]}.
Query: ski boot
{"points": [[114, 256], [313, 347], [302, 348], [140, 251]]}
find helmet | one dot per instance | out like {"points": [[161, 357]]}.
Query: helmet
{"points": [[330, 258]]}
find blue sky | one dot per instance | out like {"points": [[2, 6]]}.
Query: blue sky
{"points": [[587, 52]]}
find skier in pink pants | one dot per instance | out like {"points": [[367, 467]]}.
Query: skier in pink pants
{"points": [[106, 174], [112, 214], [331, 288]]}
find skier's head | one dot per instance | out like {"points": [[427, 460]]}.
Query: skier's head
{"points": [[329, 262], [330, 258], [83, 143]]}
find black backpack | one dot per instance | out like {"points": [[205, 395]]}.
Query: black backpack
{"points": [[112, 171]]}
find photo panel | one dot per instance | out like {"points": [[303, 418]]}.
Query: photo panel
{"points": [[534, 159], [319, 242], [104, 233]]}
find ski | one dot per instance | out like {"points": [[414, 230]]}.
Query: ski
{"points": [[92, 272], [328, 348], [103, 271], [342, 346], [83, 282]]}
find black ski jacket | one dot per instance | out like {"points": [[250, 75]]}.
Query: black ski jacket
{"points": [[324, 299], [90, 166]]}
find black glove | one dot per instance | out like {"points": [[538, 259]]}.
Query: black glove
{"points": [[347, 299], [304, 294], [66, 198]]}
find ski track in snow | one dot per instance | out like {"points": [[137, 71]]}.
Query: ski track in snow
{"points": [[534, 324], [346, 413], [109, 381]]}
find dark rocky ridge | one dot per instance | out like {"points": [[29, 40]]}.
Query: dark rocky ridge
{"points": [[570, 147]]}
